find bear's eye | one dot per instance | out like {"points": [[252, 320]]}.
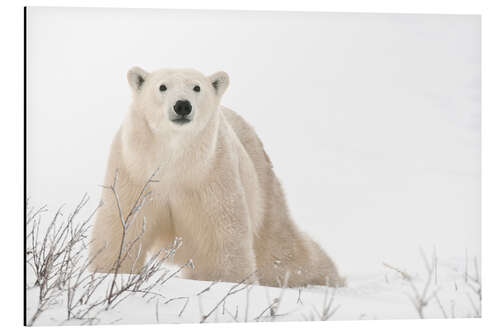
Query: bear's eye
{"points": [[197, 88], [163, 87]]}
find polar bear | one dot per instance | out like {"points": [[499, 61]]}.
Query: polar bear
{"points": [[216, 189]]}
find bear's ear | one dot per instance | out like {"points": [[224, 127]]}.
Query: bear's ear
{"points": [[136, 77], [220, 82]]}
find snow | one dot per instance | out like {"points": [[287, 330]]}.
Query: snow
{"points": [[381, 296], [372, 123]]}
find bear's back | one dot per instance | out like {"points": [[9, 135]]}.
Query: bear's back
{"points": [[249, 139]]}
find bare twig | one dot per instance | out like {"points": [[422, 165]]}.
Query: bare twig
{"points": [[207, 288], [233, 290], [328, 310], [419, 298], [57, 257], [126, 223]]}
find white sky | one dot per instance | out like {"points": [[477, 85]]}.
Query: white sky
{"points": [[372, 121]]}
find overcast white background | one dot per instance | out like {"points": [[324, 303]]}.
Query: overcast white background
{"points": [[372, 121]]}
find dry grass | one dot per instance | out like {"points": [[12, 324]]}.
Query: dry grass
{"points": [[421, 297]]}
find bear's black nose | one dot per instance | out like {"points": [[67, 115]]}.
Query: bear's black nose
{"points": [[182, 108]]}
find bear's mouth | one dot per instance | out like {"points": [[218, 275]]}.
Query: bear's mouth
{"points": [[181, 121]]}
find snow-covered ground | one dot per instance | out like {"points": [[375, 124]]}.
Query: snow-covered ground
{"points": [[372, 123], [382, 296]]}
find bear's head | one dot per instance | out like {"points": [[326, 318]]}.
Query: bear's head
{"points": [[173, 100]]}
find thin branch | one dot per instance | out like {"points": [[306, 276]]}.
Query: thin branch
{"points": [[233, 290]]}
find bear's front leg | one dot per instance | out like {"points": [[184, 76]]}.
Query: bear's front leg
{"points": [[217, 236], [228, 262], [113, 247]]}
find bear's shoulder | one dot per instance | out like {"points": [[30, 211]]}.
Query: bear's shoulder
{"points": [[247, 135], [240, 126]]}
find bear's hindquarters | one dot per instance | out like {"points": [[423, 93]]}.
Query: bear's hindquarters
{"points": [[287, 257]]}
